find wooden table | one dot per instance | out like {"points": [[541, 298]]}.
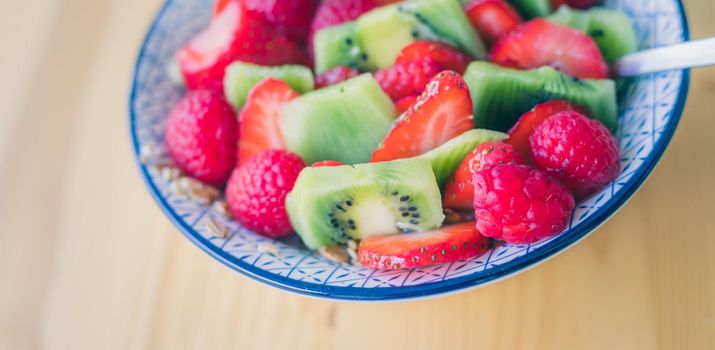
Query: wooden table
{"points": [[88, 261]]}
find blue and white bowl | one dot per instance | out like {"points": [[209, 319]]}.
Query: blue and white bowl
{"points": [[650, 109]]}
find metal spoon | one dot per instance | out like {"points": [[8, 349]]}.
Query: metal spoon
{"points": [[689, 54]]}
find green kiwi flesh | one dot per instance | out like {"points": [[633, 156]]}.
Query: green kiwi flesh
{"points": [[610, 29], [331, 205], [501, 95], [532, 8], [337, 46], [241, 77], [344, 122], [446, 158], [383, 32], [448, 21]]}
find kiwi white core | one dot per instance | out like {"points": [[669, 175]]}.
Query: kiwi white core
{"points": [[374, 216]]}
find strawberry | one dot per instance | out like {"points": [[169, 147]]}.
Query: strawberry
{"points": [[459, 190], [407, 78], [292, 17], [257, 191], [334, 76], [447, 244], [201, 136], [540, 43], [405, 103], [446, 56], [234, 34], [520, 132], [260, 118], [334, 12], [442, 112], [492, 18], [327, 163]]}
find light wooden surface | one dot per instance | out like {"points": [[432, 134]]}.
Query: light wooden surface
{"points": [[87, 260]]}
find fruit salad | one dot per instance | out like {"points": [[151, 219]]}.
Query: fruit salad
{"points": [[397, 134]]}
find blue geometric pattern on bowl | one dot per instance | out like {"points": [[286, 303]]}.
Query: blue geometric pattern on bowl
{"points": [[650, 110]]}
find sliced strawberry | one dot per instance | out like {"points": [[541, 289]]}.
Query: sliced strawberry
{"points": [[540, 43], [442, 112], [260, 118], [459, 189], [334, 12], [492, 18], [447, 244], [405, 103], [334, 76], [520, 132], [233, 35], [446, 56], [326, 163]]}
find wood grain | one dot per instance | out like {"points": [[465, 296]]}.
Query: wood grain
{"points": [[87, 260]]}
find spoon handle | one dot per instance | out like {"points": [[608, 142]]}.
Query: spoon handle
{"points": [[689, 54]]}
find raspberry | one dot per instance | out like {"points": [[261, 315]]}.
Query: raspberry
{"points": [[578, 151], [407, 78], [257, 191], [459, 191], [519, 204], [334, 76], [201, 136]]}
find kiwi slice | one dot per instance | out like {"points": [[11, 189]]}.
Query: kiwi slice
{"points": [[447, 19], [330, 205], [343, 122], [501, 95], [241, 77], [337, 46], [532, 8], [383, 32], [610, 29], [446, 158]]}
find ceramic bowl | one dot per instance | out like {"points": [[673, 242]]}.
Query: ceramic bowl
{"points": [[650, 108]]}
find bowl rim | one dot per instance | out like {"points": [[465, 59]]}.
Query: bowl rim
{"points": [[428, 290]]}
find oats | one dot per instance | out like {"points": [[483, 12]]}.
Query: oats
{"points": [[169, 173], [216, 229], [335, 253], [267, 248], [149, 153], [352, 252], [456, 217], [221, 207], [195, 190], [352, 245], [176, 188]]}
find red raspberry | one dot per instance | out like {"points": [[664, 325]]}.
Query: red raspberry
{"points": [[519, 204], [405, 103], [257, 191], [334, 76], [201, 136], [407, 78], [459, 190], [577, 150]]}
